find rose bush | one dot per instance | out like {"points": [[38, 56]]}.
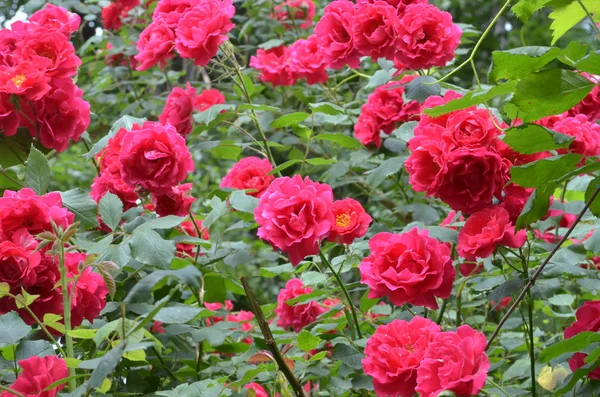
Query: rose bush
{"points": [[298, 198]]}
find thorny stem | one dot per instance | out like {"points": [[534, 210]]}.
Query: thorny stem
{"points": [[67, 312], [535, 276], [344, 290], [587, 12], [270, 341]]}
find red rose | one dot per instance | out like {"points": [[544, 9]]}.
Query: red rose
{"points": [[157, 328], [39, 373], [155, 157], [216, 306], [334, 33], [563, 219], [393, 354], [408, 268], [515, 198], [302, 10], [25, 209], [549, 121], [258, 390], [375, 30], [53, 17], [88, 294], [590, 105], [155, 45], [454, 361], [8, 45], [208, 98], [367, 129], [472, 178], [244, 318], [294, 215], [108, 182], [177, 202], [172, 11], [111, 17], [450, 219], [178, 109], [427, 37], [62, 115], [467, 269], [250, 173], [49, 50], [26, 79], [275, 66], [485, 230], [588, 320], [190, 229], [427, 162], [471, 128], [202, 30], [436, 100], [307, 62], [9, 117], [587, 135], [298, 315], [399, 5], [109, 156], [17, 263], [503, 304], [351, 221]]}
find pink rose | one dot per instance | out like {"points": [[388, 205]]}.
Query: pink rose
{"points": [[334, 33], [587, 135], [515, 198], [202, 30], [111, 17], [588, 320], [367, 129], [394, 352], [294, 215], [487, 229], [275, 66], [53, 17], [88, 290], [302, 10], [375, 30], [351, 221], [49, 50], [471, 128], [259, 391], [9, 117], [26, 79], [408, 268], [39, 373], [208, 98], [155, 157], [298, 315], [108, 182], [156, 45], [18, 263], [172, 11], [454, 361], [244, 318], [399, 5], [251, 174], [427, 37], [307, 62], [177, 202], [467, 269], [178, 109], [590, 105], [427, 162]]}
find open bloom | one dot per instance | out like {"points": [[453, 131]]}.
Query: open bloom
{"points": [[351, 221], [156, 45], [300, 10], [177, 202], [39, 373], [297, 315], [375, 30], [334, 31], [251, 174], [178, 109]]}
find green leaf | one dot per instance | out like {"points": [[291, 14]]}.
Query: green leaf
{"points": [[190, 275], [571, 345], [307, 341], [14, 149], [8, 180], [105, 367], [289, 119], [539, 172], [504, 290], [320, 161], [533, 138], [267, 108], [110, 208], [388, 167], [422, 88], [219, 208], [524, 9], [348, 355], [568, 13], [520, 62], [267, 45], [561, 300], [573, 53], [590, 63], [30, 348], [227, 150], [177, 314], [326, 108], [595, 206], [536, 206], [210, 116], [81, 204], [283, 166], [12, 329], [472, 99], [148, 247], [164, 222], [365, 303], [214, 286], [242, 202], [37, 171], [547, 93], [344, 141], [380, 77]]}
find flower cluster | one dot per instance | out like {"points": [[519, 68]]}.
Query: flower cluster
{"points": [[25, 266], [295, 12], [37, 92], [295, 215], [195, 29], [115, 11], [408, 357], [385, 110]]}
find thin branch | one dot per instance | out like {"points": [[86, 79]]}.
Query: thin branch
{"points": [[270, 341], [535, 276], [589, 15]]}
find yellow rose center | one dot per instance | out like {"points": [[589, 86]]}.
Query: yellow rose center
{"points": [[18, 80], [343, 220]]}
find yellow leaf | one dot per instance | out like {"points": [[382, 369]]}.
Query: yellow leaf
{"points": [[72, 362], [135, 355], [549, 377], [105, 387], [4, 289]]}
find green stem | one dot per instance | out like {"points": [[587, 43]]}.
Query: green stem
{"points": [[477, 45], [589, 16], [442, 310], [67, 313], [531, 344], [497, 386], [11, 391], [344, 290]]}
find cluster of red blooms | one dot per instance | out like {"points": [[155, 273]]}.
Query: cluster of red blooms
{"points": [[37, 92], [23, 267], [195, 28], [115, 11], [587, 320], [39, 373], [412, 33], [408, 357]]}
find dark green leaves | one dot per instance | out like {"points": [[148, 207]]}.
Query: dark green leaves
{"points": [[147, 246], [105, 367], [37, 171], [520, 62], [388, 167], [422, 88], [342, 140], [590, 63], [111, 210], [533, 138], [12, 329], [504, 290], [289, 119], [348, 355], [307, 341], [574, 344], [81, 204], [591, 189], [536, 206], [537, 173], [547, 93]]}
